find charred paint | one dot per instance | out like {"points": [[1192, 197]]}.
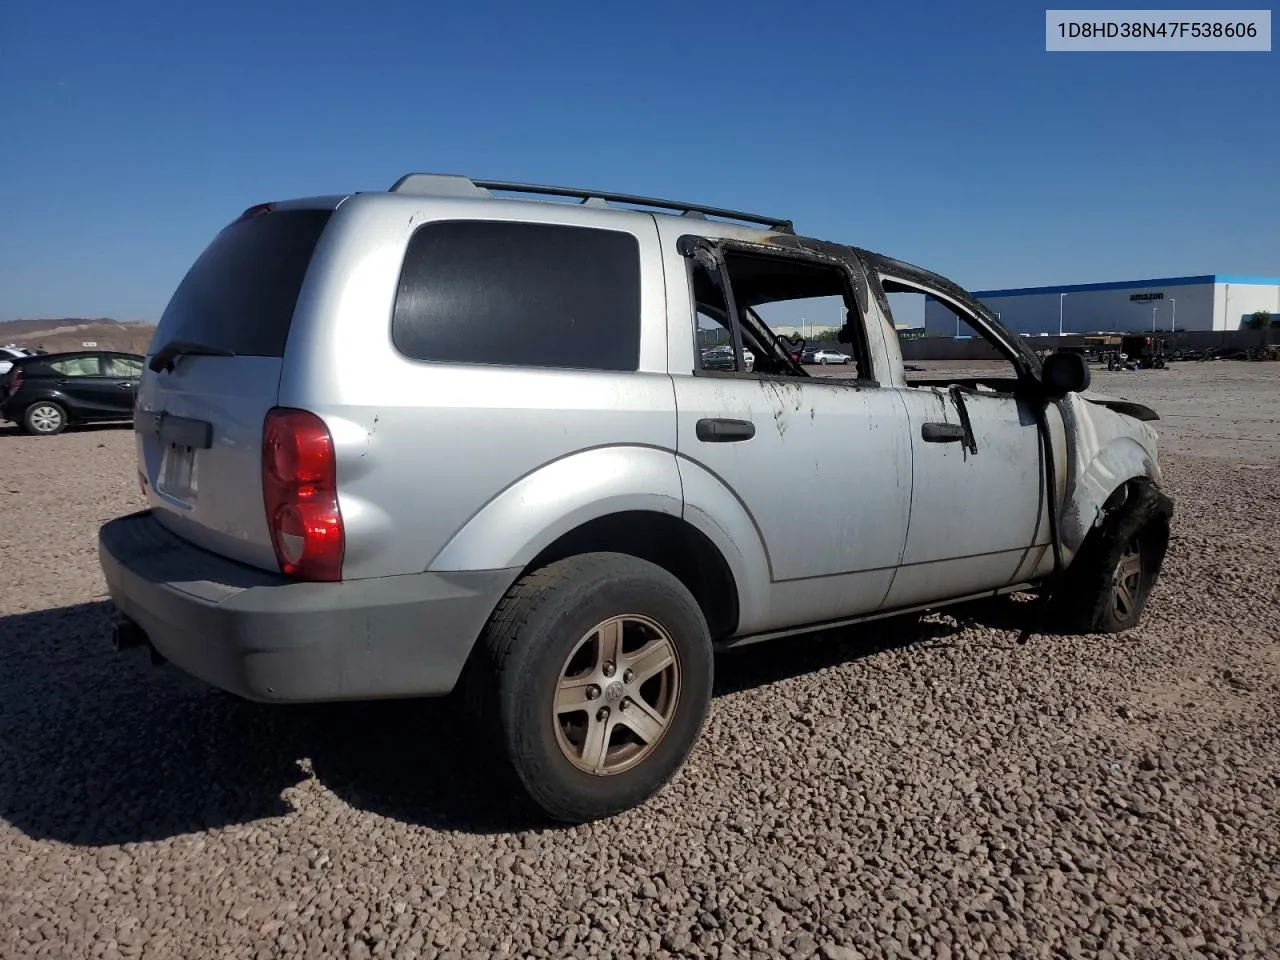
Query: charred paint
{"points": [[1130, 409], [1104, 452], [783, 395], [1098, 444]]}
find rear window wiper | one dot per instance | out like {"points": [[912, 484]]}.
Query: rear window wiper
{"points": [[171, 351]]}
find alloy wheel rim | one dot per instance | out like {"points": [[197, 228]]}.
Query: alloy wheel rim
{"points": [[45, 418], [616, 695], [1127, 582]]}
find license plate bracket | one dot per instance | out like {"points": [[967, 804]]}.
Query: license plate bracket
{"points": [[178, 479]]}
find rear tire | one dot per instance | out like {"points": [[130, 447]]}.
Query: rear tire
{"points": [[597, 670], [1106, 587], [44, 418]]}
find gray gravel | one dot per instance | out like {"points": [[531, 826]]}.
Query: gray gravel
{"points": [[922, 788]]}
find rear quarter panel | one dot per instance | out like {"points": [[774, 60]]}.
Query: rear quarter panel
{"points": [[229, 516], [469, 466]]}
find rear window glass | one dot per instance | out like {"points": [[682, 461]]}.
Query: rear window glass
{"points": [[527, 294], [240, 294]]}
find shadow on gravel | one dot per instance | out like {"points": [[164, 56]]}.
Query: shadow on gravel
{"points": [[100, 748], [773, 661], [761, 664]]}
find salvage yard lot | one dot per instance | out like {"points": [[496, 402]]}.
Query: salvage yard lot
{"points": [[917, 788]]}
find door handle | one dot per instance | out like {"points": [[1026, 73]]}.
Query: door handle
{"points": [[724, 431], [124, 383], [942, 433]]}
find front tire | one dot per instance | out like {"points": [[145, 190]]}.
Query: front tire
{"points": [[44, 418], [600, 667], [1106, 587]]}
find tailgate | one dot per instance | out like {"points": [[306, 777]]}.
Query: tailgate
{"points": [[199, 424], [199, 436]]}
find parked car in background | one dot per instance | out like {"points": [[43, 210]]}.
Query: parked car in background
{"points": [[721, 358], [824, 357], [9, 353], [718, 358], [46, 393]]}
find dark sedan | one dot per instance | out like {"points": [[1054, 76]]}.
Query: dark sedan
{"points": [[49, 392]]}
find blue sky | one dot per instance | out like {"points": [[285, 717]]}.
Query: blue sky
{"points": [[132, 131]]}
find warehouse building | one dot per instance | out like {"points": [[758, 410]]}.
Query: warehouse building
{"points": [[1213, 302]]}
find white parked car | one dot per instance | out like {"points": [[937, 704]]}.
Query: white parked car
{"points": [[9, 353], [830, 356]]}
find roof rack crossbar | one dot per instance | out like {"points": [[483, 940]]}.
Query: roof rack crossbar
{"points": [[455, 186]]}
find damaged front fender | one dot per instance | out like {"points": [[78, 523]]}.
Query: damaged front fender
{"points": [[1109, 450]]}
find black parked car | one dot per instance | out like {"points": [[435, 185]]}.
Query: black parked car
{"points": [[718, 358], [47, 393]]}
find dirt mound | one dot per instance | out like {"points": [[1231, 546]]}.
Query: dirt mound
{"points": [[58, 335]]}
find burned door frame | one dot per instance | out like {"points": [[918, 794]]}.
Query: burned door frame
{"points": [[979, 511], [804, 450]]}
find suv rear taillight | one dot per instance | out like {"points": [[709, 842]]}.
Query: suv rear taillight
{"points": [[300, 491], [15, 381]]}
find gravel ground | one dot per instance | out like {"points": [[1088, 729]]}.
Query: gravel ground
{"points": [[920, 788]]}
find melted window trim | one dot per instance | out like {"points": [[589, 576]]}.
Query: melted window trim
{"points": [[842, 259]]}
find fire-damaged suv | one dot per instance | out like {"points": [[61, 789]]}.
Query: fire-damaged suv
{"points": [[459, 434]]}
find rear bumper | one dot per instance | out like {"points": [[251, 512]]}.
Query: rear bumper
{"points": [[265, 637]]}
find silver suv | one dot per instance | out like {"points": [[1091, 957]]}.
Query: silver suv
{"points": [[465, 434]]}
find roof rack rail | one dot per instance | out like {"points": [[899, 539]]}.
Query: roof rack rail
{"points": [[455, 185]]}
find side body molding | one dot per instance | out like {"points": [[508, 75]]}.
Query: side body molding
{"points": [[543, 505]]}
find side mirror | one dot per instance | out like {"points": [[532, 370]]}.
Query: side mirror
{"points": [[1065, 373]]}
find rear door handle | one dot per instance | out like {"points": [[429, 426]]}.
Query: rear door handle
{"points": [[942, 433], [724, 431], [124, 383]]}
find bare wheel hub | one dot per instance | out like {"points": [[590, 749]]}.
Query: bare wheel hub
{"points": [[1127, 584], [617, 695]]}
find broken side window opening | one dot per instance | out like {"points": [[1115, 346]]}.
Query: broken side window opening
{"points": [[977, 360], [775, 314], [793, 307], [718, 345]]}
